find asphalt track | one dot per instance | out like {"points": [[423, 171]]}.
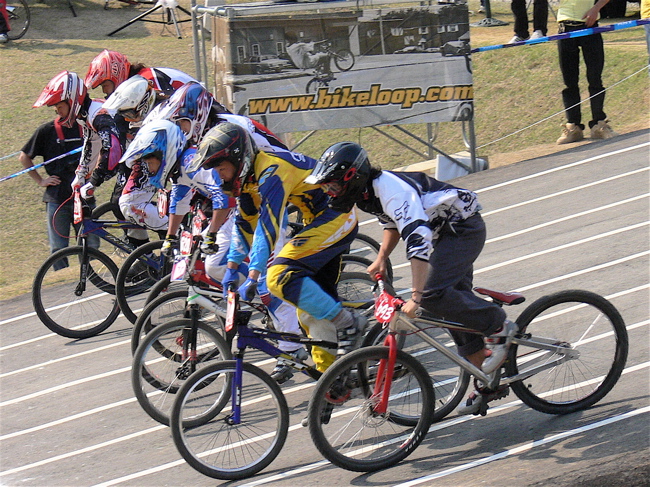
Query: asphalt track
{"points": [[576, 219]]}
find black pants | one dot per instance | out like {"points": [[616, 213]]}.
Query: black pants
{"points": [[448, 292], [540, 16], [594, 56]]}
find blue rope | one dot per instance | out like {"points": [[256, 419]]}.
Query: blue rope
{"points": [[567, 35]]}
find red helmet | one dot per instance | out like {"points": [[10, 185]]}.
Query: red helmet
{"points": [[107, 65], [65, 86]]}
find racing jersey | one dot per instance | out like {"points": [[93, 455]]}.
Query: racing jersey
{"points": [[418, 206], [99, 125], [277, 179], [204, 181], [166, 80]]}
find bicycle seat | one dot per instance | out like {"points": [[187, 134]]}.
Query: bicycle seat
{"points": [[502, 298]]}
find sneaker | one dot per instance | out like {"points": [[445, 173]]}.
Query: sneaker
{"points": [[538, 34], [516, 39], [570, 133], [325, 416], [477, 402], [283, 371], [602, 131], [498, 344], [481, 9], [349, 338], [4, 38]]}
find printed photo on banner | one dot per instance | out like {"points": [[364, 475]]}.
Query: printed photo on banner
{"points": [[346, 67]]}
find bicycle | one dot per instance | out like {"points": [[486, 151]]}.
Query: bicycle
{"points": [[569, 352], [73, 292], [235, 442], [166, 336], [19, 18]]}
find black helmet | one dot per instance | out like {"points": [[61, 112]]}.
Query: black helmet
{"points": [[346, 165], [226, 142]]}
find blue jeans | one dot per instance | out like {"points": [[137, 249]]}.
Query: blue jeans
{"points": [[59, 221]]}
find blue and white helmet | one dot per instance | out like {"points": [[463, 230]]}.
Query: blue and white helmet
{"points": [[163, 139], [190, 102]]}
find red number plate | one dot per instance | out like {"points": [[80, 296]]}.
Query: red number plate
{"points": [[385, 307]]}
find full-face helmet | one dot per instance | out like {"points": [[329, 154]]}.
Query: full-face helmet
{"points": [[190, 102], [65, 86], [133, 99], [343, 172], [107, 65], [162, 139], [227, 142]]}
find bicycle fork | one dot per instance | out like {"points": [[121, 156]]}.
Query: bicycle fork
{"points": [[385, 373]]}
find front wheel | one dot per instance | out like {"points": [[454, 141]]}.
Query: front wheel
{"points": [[74, 293], [167, 356], [222, 446], [343, 420], [589, 346], [450, 380], [343, 59]]}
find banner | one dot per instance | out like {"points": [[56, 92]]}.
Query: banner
{"points": [[345, 67]]}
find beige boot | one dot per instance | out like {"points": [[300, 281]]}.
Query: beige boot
{"points": [[570, 133], [602, 131]]}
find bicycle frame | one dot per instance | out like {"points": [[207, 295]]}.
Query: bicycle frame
{"points": [[256, 338], [399, 323]]}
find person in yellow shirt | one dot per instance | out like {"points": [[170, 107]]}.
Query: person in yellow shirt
{"points": [[575, 15]]}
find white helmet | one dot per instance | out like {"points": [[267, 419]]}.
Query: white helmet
{"points": [[162, 139], [133, 99]]}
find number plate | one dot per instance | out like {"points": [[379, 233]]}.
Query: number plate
{"points": [[186, 243], [230, 310], [163, 203], [179, 269], [77, 208], [385, 307], [197, 225]]}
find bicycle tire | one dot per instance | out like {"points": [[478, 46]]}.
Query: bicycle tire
{"points": [[165, 285], [355, 288], [164, 308], [313, 85], [450, 381], [137, 276], [155, 382], [343, 59], [586, 323], [342, 424], [62, 306], [19, 18], [368, 248], [216, 447]]}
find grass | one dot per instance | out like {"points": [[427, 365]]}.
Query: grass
{"points": [[514, 89]]}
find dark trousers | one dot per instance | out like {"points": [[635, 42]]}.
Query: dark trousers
{"points": [[540, 16], [448, 292], [594, 56]]}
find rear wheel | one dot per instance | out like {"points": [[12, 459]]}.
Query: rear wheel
{"points": [[73, 295], [593, 347]]}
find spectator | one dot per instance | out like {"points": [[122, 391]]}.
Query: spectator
{"points": [[52, 139], [540, 19], [576, 15]]}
